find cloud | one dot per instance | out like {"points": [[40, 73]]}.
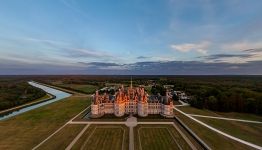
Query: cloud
{"points": [[143, 57], [46, 41], [199, 47], [253, 50], [219, 56], [104, 66], [243, 45], [139, 68], [79, 52]]}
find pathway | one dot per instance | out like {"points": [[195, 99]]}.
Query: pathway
{"points": [[131, 123], [220, 132], [182, 104], [59, 129], [223, 118], [76, 138]]}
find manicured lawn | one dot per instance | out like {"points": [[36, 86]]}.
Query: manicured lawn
{"points": [[104, 137], [90, 89], [148, 89], [192, 110], [241, 116], [63, 138], [153, 118], [154, 137], [250, 132], [176, 103], [27, 130], [211, 138]]}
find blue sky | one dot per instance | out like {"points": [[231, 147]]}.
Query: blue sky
{"points": [[130, 36]]}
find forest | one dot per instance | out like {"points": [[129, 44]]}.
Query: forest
{"points": [[221, 93], [16, 91]]}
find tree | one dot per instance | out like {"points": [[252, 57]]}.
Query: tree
{"points": [[175, 97], [212, 103]]}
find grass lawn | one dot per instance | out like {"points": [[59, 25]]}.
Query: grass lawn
{"points": [[250, 132], [153, 118], [241, 116], [176, 103], [90, 89], [148, 89], [28, 129], [63, 138], [154, 137], [212, 139], [109, 117], [104, 137], [192, 110]]}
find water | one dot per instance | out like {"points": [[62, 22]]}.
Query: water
{"points": [[59, 96]]}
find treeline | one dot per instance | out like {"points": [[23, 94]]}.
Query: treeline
{"points": [[158, 89], [226, 100], [225, 94], [218, 93], [14, 93]]}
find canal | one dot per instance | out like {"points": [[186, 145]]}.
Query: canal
{"points": [[59, 95]]}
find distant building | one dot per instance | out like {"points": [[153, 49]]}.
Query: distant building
{"points": [[182, 95], [132, 101]]}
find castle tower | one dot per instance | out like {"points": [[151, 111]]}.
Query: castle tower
{"points": [[95, 108], [131, 84], [119, 105]]}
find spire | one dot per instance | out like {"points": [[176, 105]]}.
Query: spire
{"points": [[131, 83]]}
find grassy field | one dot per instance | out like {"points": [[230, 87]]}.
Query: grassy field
{"points": [[177, 103], [250, 132], [211, 138], [192, 110], [148, 89], [154, 137], [63, 138], [104, 137], [153, 118], [89, 89], [27, 130]]}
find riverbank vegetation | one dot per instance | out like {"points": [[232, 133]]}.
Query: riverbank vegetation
{"points": [[14, 92]]}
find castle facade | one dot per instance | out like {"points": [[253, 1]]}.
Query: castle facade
{"points": [[131, 101]]}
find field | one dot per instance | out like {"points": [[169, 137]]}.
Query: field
{"points": [[211, 138], [154, 137], [63, 138], [104, 137], [27, 130], [89, 89], [192, 110], [250, 132]]}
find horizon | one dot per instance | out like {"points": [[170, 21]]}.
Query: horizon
{"points": [[133, 37]]}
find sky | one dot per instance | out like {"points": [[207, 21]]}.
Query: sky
{"points": [[115, 37]]}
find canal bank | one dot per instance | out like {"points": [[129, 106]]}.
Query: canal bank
{"points": [[55, 93]]}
